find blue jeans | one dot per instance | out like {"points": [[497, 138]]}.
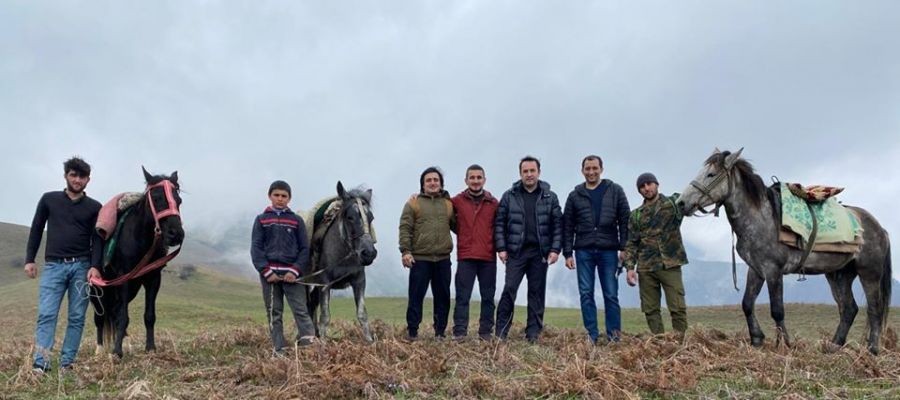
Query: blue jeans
{"points": [[56, 279], [605, 263]]}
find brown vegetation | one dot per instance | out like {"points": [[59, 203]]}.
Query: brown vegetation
{"points": [[237, 363]]}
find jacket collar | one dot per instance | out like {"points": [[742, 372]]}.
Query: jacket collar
{"points": [[487, 195], [519, 187], [582, 187], [445, 194], [272, 210]]}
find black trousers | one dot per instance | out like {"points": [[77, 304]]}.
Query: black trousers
{"points": [[466, 272], [531, 263], [437, 274]]}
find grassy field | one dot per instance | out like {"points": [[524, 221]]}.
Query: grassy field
{"points": [[212, 343]]}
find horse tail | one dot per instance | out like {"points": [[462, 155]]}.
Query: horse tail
{"points": [[886, 278]]}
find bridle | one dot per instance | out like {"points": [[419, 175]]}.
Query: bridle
{"points": [[724, 175], [366, 230], [169, 190]]}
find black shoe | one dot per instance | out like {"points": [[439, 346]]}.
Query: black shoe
{"points": [[306, 341], [531, 339], [485, 336], [411, 337]]}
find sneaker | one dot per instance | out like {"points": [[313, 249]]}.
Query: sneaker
{"points": [[306, 341], [278, 353], [38, 370], [485, 336], [531, 339], [411, 337], [459, 338], [67, 368]]}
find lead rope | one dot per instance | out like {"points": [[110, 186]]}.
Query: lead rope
{"points": [[733, 263]]}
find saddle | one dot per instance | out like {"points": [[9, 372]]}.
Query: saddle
{"points": [[813, 220], [110, 219], [317, 223]]}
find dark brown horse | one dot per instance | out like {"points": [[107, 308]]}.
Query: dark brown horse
{"points": [[152, 225]]}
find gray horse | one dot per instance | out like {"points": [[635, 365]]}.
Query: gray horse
{"points": [[727, 179], [342, 253]]}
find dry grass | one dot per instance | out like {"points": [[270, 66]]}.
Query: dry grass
{"points": [[236, 363]]}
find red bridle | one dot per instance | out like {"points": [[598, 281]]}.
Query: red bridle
{"points": [[169, 189]]}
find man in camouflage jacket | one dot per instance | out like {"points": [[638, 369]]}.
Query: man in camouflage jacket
{"points": [[655, 253]]}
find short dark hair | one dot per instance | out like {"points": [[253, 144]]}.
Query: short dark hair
{"points": [[428, 171], [280, 185], [592, 157], [77, 165], [527, 159], [474, 167]]}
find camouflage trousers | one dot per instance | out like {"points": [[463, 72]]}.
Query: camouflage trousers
{"points": [[669, 280]]}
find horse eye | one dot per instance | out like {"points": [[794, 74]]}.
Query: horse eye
{"points": [[710, 175]]}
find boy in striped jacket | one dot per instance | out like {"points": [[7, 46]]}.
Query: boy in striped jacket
{"points": [[280, 253]]}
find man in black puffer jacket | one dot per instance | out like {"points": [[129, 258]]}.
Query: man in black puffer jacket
{"points": [[528, 238], [595, 224]]}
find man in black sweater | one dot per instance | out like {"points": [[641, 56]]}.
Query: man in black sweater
{"points": [[72, 254]]}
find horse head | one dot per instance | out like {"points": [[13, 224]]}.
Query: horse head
{"points": [[356, 223], [164, 200], [713, 185]]}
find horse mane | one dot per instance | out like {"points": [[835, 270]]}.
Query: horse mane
{"points": [[752, 183]]}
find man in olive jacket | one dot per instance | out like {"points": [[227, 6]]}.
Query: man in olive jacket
{"points": [[528, 238], [425, 243], [655, 253]]}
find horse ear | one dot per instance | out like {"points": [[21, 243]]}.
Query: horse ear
{"points": [[368, 196], [732, 158], [340, 190], [174, 177], [147, 175]]}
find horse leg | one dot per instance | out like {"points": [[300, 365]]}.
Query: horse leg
{"points": [[122, 320], [325, 316], [312, 304], [359, 294], [98, 322], [151, 290], [751, 292], [874, 310], [776, 303], [841, 283]]}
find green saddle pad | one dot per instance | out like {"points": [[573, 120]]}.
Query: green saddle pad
{"points": [[836, 223]]}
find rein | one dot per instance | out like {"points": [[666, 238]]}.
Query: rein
{"points": [[145, 266]]}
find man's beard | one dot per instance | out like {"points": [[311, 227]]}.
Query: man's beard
{"points": [[72, 190]]}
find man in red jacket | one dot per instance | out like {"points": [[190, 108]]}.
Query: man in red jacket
{"points": [[475, 210]]}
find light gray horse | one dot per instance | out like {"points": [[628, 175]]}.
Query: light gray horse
{"points": [[344, 251], [727, 179]]}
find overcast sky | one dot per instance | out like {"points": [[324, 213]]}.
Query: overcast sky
{"points": [[236, 94]]}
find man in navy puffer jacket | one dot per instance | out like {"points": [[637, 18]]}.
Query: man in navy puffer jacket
{"points": [[528, 238]]}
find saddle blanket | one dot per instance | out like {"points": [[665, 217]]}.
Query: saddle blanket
{"points": [[836, 223], [109, 213]]}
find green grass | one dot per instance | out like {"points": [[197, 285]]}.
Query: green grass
{"points": [[211, 323]]}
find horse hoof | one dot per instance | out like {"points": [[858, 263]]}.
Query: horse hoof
{"points": [[757, 341], [370, 339], [874, 350], [831, 347]]}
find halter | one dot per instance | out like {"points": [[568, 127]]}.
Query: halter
{"points": [[723, 175], [348, 241], [172, 209]]}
